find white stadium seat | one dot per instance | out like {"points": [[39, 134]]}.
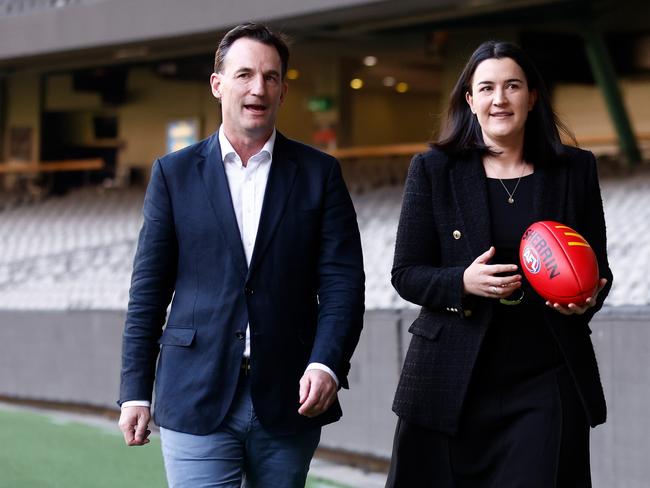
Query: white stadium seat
{"points": [[76, 252]]}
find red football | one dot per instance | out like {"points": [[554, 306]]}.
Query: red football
{"points": [[559, 263]]}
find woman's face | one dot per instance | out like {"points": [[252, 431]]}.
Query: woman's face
{"points": [[501, 100]]}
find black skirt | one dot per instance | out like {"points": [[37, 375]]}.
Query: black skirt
{"points": [[523, 424]]}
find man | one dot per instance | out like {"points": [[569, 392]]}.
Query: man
{"points": [[255, 237]]}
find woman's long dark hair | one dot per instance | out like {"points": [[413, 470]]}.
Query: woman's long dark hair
{"points": [[462, 132]]}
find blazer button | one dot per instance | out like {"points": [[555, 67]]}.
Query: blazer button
{"points": [[248, 291], [456, 234], [239, 335]]}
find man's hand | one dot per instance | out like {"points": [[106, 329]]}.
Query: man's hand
{"points": [[573, 309], [317, 392], [134, 423]]}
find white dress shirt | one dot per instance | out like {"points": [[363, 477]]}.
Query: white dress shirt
{"points": [[247, 187]]}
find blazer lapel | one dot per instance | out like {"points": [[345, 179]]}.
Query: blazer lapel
{"points": [[278, 188], [469, 189], [213, 176], [470, 192], [550, 191]]}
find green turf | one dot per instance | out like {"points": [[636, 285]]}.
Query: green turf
{"points": [[317, 483], [37, 451]]}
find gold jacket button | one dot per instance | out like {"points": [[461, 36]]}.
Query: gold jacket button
{"points": [[456, 234]]}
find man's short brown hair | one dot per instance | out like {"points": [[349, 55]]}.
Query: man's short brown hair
{"points": [[257, 32]]}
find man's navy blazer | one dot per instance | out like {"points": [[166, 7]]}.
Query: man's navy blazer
{"points": [[302, 293]]}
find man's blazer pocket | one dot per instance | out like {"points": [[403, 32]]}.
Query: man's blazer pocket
{"points": [[177, 336]]}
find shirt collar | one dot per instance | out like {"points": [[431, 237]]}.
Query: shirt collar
{"points": [[227, 151]]}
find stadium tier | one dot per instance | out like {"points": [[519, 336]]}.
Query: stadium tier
{"points": [[69, 253], [75, 252]]}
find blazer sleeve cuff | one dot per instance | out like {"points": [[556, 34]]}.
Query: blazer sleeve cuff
{"points": [[460, 303]]}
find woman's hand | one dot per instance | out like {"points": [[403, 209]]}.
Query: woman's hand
{"points": [[480, 278], [573, 309]]}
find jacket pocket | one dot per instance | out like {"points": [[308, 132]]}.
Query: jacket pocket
{"points": [[424, 327], [177, 336]]}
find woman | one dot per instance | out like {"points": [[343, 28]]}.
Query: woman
{"points": [[498, 388]]}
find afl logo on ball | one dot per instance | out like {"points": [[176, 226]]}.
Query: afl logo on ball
{"points": [[531, 260]]}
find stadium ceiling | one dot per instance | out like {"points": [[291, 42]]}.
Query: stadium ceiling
{"points": [[176, 31], [407, 14]]}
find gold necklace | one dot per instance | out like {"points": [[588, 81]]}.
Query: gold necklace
{"points": [[511, 194]]}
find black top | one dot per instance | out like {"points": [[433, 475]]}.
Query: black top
{"points": [[509, 220], [518, 344]]}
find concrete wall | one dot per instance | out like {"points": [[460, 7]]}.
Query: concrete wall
{"points": [[153, 103], [620, 447], [61, 356], [75, 357], [391, 118], [583, 108], [60, 95]]}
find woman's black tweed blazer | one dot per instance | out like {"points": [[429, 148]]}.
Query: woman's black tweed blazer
{"points": [[444, 225]]}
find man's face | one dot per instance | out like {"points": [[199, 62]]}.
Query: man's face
{"points": [[251, 90]]}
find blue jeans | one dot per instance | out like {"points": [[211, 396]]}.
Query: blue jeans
{"points": [[240, 450]]}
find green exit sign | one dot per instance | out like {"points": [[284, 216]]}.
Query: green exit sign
{"points": [[320, 104]]}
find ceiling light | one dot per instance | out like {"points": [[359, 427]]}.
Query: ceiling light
{"points": [[389, 81], [356, 83], [402, 87], [370, 60], [293, 74]]}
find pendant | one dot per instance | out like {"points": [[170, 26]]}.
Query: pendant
{"points": [[511, 200]]}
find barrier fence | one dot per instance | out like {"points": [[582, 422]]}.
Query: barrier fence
{"points": [[73, 358]]}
